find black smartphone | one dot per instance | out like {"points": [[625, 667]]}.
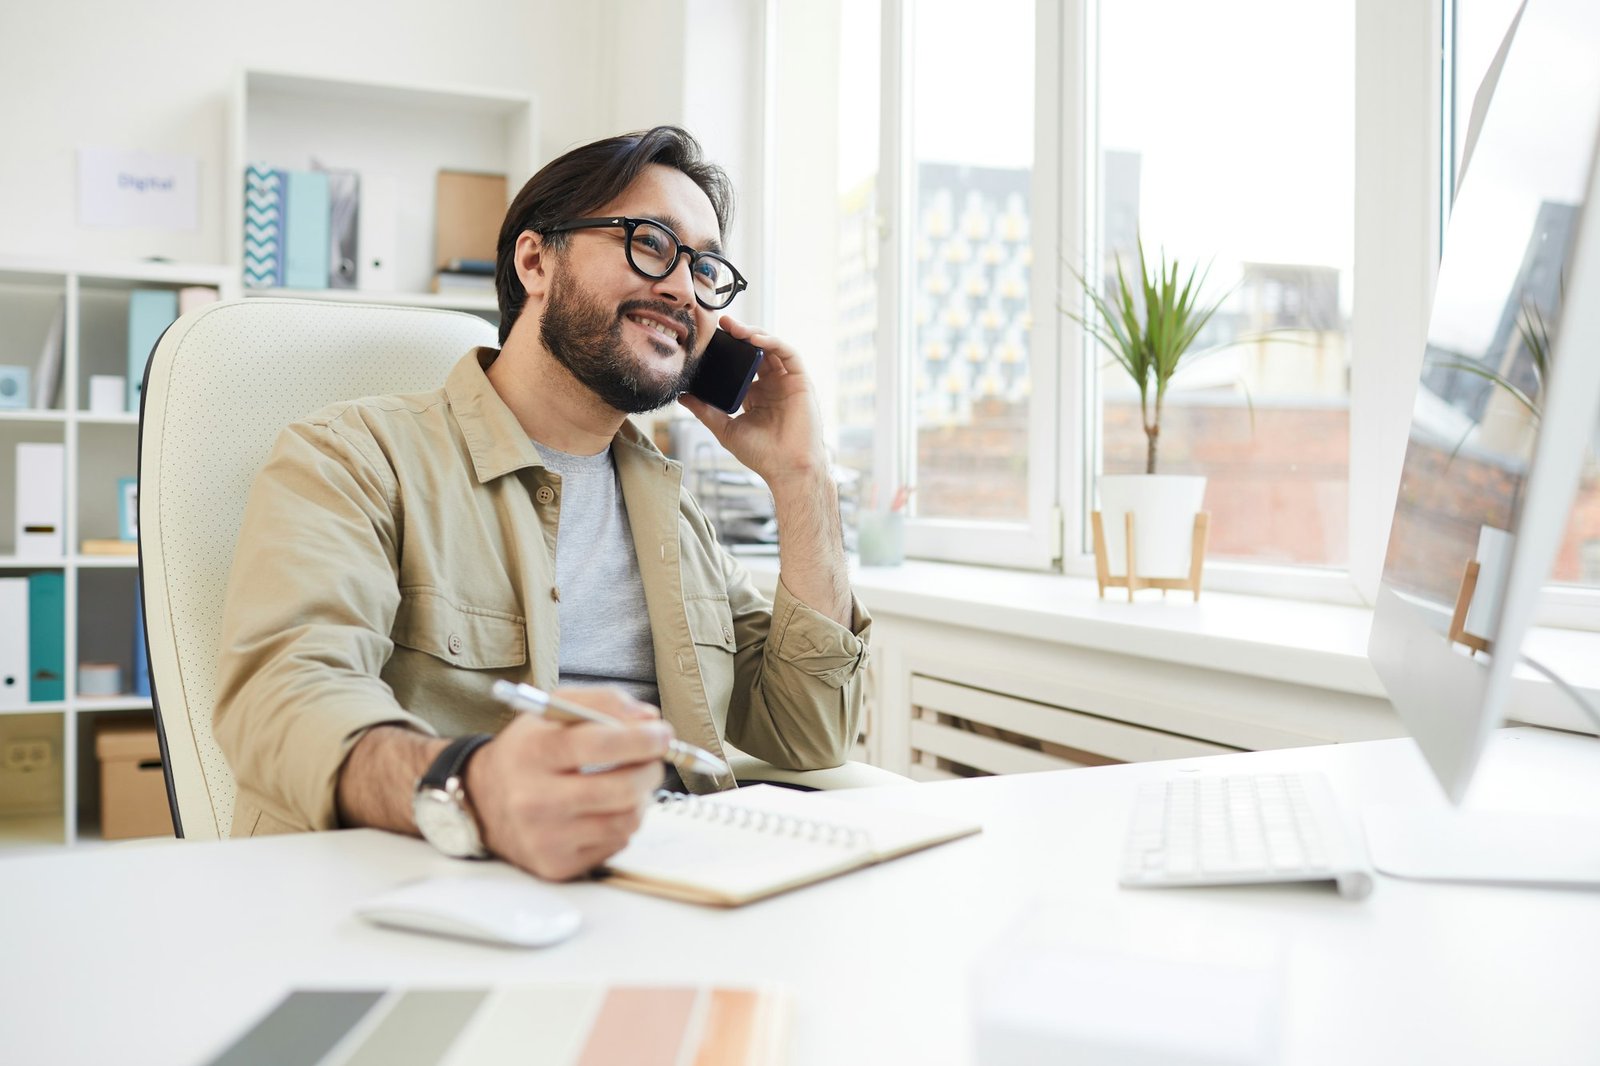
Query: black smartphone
{"points": [[726, 371]]}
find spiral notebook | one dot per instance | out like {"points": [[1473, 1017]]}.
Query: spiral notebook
{"points": [[731, 848]]}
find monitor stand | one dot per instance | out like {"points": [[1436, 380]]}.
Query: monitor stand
{"points": [[1484, 847]]}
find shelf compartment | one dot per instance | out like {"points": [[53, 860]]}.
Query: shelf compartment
{"points": [[404, 132], [32, 792], [26, 831]]}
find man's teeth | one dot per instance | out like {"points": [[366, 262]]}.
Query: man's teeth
{"points": [[649, 323]]}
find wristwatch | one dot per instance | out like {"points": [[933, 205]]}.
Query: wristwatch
{"points": [[440, 805]]}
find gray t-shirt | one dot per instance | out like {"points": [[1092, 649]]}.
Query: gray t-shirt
{"points": [[605, 629]]}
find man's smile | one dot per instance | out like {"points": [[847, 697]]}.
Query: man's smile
{"points": [[661, 331]]}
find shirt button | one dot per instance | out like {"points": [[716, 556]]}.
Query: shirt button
{"points": [[455, 644], [555, 593], [727, 634], [545, 494]]}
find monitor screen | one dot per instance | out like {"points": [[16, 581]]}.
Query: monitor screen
{"points": [[1505, 281]]}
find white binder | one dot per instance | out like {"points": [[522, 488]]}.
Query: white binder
{"points": [[377, 234], [41, 507], [13, 641]]}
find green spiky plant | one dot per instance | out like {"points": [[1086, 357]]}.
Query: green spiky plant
{"points": [[1150, 330], [1536, 339]]}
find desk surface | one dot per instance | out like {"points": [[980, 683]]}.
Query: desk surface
{"points": [[164, 953]]}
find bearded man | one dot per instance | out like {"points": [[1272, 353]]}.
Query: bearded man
{"points": [[400, 554]]}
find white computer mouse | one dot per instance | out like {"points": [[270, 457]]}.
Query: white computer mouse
{"points": [[500, 910]]}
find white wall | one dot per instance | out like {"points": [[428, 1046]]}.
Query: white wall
{"points": [[156, 77], [698, 64]]}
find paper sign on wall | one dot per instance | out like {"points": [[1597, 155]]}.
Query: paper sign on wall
{"points": [[137, 190]]}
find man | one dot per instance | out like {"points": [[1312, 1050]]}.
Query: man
{"points": [[399, 554]]}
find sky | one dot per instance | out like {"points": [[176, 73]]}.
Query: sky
{"points": [[1246, 143], [1235, 138]]}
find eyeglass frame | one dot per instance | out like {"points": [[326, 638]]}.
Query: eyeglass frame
{"points": [[629, 223]]}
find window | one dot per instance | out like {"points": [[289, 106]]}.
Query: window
{"points": [[1238, 157], [1476, 29], [856, 298], [1003, 144], [971, 117]]}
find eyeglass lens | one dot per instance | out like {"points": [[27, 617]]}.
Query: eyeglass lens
{"points": [[654, 251]]}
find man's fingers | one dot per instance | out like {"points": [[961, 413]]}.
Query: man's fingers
{"points": [[610, 700], [616, 790], [580, 746], [780, 359]]}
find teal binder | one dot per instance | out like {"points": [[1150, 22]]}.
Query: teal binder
{"points": [[47, 636], [150, 311], [305, 232]]}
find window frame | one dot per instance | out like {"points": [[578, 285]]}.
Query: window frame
{"points": [[1399, 93], [1034, 542]]}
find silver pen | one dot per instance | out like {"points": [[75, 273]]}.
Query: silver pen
{"points": [[538, 701]]}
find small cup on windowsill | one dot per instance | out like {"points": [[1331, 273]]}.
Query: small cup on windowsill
{"points": [[881, 538]]}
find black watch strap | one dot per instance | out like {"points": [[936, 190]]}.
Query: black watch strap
{"points": [[452, 761]]}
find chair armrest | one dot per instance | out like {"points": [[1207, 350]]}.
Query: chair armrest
{"points": [[750, 770]]}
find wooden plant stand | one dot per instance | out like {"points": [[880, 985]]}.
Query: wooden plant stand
{"points": [[1458, 621], [1131, 580]]}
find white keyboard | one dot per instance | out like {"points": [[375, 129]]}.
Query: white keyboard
{"points": [[1241, 829]]}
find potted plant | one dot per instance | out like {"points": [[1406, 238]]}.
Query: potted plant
{"points": [[1149, 327]]}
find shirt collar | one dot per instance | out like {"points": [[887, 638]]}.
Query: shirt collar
{"points": [[494, 436]]}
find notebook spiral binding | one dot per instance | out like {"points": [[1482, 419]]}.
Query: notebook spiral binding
{"points": [[769, 822]]}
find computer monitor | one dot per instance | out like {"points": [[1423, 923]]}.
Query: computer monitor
{"points": [[1505, 412]]}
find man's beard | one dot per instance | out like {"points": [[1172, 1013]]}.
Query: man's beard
{"points": [[587, 340]]}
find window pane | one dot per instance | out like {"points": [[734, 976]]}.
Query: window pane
{"points": [[1227, 141], [971, 114], [1480, 26], [856, 312]]}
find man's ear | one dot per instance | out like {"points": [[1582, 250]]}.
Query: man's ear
{"points": [[532, 261]]}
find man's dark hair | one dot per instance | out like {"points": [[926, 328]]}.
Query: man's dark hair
{"points": [[575, 184]]}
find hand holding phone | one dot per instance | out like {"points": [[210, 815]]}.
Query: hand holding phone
{"points": [[726, 371]]}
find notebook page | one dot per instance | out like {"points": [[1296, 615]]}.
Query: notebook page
{"points": [[730, 862], [891, 831]]}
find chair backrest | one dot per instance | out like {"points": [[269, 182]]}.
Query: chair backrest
{"points": [[221, 383]]}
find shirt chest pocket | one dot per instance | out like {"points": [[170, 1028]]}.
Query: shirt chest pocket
{"points": [[475, 638], [710, 622]]}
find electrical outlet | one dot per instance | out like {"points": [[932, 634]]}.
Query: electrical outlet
{"points": [[27, 754]]}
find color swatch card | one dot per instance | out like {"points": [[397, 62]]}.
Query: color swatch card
{"points": [[553, 1025]]}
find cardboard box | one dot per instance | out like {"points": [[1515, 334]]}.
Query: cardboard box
{"points": [[133, 788], [468, 212]]}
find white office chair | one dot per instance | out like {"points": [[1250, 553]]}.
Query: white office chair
{"points": [[220, 385]]}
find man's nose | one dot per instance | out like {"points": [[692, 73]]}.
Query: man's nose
{"points": [[678, 285]]}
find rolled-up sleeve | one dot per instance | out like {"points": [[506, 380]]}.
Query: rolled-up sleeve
{"points": [[310, 603], [805, 675]]}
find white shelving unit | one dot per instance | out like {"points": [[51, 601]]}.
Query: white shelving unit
{"points": [[59, 803], [407, 132], [290, 120]]}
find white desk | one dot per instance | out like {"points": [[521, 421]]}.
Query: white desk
{"points": [[164, 953]]}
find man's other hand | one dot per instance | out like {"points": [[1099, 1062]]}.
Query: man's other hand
{"points": [[538, 807]]}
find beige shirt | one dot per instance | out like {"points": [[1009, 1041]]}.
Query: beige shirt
{"points": [[397, 557]]}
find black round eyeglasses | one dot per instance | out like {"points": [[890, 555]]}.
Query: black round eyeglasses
{"points": [[653, 250]]}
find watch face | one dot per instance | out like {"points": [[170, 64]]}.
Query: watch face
{"points": [[444, 824]]}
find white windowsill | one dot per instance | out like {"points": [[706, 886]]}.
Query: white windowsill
{"points": [[1319, 645]]}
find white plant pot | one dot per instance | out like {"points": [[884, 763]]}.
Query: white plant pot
{"points": [[1163, 508], [1493, 558]]}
